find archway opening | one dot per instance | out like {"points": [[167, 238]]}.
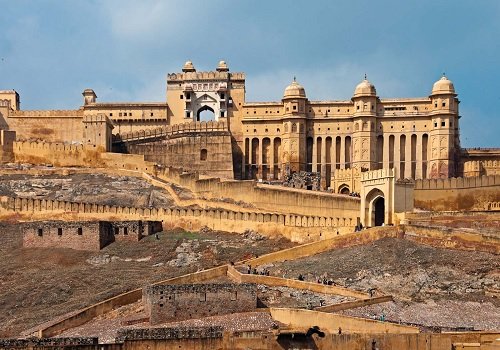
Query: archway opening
{"points": [[344, 189], [205, 114], [379, 209]]}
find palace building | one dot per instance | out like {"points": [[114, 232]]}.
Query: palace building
{"points": [[418, 137]]}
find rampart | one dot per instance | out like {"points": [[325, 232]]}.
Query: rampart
{"points": [[298, 228], [61, 154], [48, 125], [468, 193], [172, 131], [166, 303], [276, 198]]}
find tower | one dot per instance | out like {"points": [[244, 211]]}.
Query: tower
{"points": [[444, 138], [294, 138], [364, 126]]}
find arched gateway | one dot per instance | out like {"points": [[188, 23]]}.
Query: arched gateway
{"points": [[383, 197]]}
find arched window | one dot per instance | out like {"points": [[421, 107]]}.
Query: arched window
{"points": [[203, 154]]}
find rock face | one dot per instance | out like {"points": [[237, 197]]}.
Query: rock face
{"points": [[90, 188]]}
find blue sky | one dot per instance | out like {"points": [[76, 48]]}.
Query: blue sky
{"points": [[52, 50]]}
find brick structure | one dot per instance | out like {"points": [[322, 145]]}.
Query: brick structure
{"points": [[84, 235], [165, 303]]}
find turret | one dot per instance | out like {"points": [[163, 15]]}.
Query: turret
{"points": [[89, 97]]}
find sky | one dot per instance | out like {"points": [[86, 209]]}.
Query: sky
{"points": [[50, 51]]}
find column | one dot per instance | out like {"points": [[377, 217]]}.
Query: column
{"points": [[408, 157], [418, 157], [397, 141], [260, 156], [271, 158], [385, 164], [314, 154], [323, 163], [342, 152]]}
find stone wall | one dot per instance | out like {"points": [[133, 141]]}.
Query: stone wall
{"points": [[469, 193], [297, 228], [166, 303], [84, 235], [90, 235], [50, 125]]}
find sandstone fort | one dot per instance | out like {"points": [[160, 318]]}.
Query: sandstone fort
{"points": [[300, 181]]}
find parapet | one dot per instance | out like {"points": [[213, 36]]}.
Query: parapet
{"points": [[192, 76], [170, 333], [377, 174]]}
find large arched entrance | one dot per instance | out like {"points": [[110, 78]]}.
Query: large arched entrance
{"points": [[375, 208], [205, 114], [379, 211]]}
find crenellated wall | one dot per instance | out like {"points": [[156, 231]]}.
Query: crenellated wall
{"points": [[468, 193], [274, 198], [299, 228]]}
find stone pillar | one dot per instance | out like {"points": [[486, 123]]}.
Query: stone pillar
{"points": [[418, 157], [342, 152], [385, 151], [260, 157], [323, 163], [408, 157], [397, 141], [271, 159], [314, 161]]}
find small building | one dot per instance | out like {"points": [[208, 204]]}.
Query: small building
{"points": [[166, 303], [84, 235]]}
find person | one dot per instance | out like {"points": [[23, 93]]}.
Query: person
{"points": [[340, 330], [157, 237]]}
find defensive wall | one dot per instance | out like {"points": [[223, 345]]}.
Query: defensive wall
{"points": [[267, 197], [6, 145], [48, 125], [467, 193], [168, 303], [200, 338], [299, 228]]}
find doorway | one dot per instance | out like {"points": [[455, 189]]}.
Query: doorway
{"points": [[379, 209]]}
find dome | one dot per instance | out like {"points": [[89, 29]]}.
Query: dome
{"points": [[222, 66], [294, 90], [188, 67], [443, 86], [365, 88]]}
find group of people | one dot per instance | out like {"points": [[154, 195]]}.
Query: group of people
{"points": [[263, 272], [358, 227], [354, 194]]}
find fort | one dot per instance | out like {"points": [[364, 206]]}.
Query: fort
{"points": [[328, 177]]}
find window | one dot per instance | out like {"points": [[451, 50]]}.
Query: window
{"points": [[79, 231], [435, 125], [125, 230], [203, 154], [188, 114], [357, 107], [443, 104], [130, 114], [188, 95], [161, 304], [40, 232], [110, 114], [151, 113], [120, 114], [117, 231], [182, 97], [59, 231], [435, 105], [222, 96], [443, 123], [222, 114]]}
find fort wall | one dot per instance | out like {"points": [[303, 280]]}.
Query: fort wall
{"points": [[7, 139], [299, 228], [468, 193], [268, 197], [48, 125], [165, 303]]}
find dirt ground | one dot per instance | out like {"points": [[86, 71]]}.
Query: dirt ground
{"points": [[433, 287], [39, 284]]}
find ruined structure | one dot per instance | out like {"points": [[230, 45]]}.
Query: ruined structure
{"points": [[164, 303], [84, 235]]}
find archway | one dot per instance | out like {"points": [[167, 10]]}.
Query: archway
{"points": [[379, 210], [344, 189], [374, 208], [205, 114]]}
